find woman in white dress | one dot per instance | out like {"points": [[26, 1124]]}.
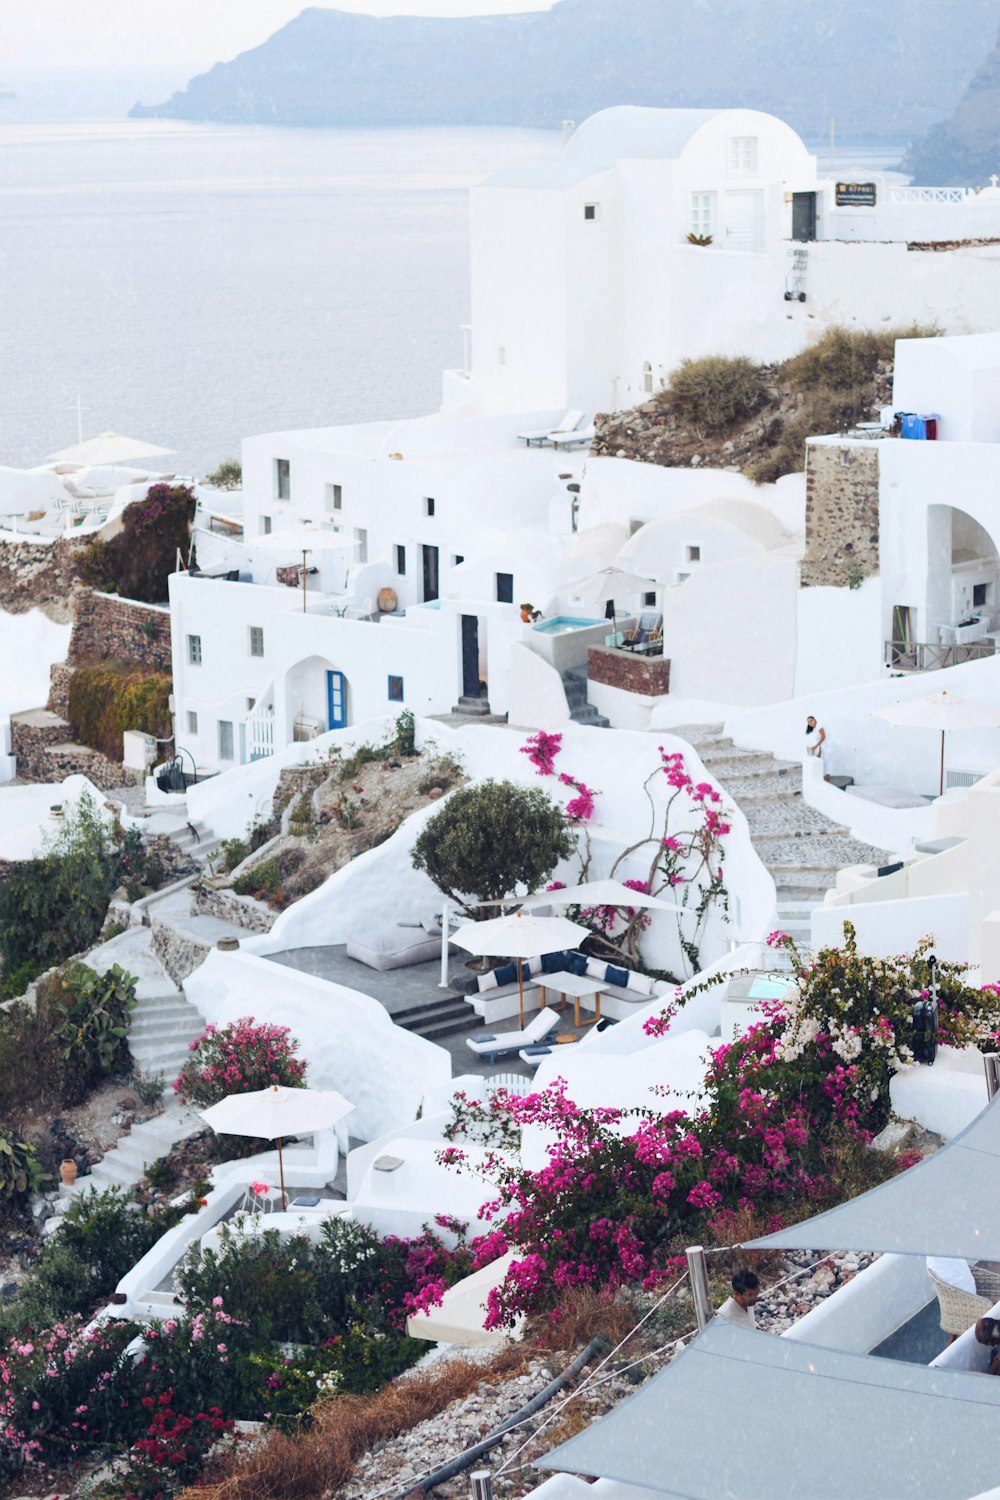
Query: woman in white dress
{"points": [[817, 743]]}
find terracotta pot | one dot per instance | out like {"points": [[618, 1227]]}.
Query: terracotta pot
{"points": [[526, 616], [387, 600], [67, 1171]]}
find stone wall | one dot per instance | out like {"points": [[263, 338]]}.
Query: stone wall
{"points": [[241, 911], [649, 675], [39, 575], [180, 953], [42, 743], [60, 677], [108, 628], [842, 515]]}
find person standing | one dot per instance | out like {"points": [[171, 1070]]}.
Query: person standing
{"points": [[739, 1308], [815, 739]]}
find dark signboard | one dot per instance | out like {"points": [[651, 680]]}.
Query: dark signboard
{"points": [[855, 195]]}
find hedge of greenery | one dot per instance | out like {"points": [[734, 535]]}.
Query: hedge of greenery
{"points": [[106, 700], [138, 561]]}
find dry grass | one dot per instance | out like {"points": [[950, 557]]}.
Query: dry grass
{"points": [[314, 1463], [583, 1314]]}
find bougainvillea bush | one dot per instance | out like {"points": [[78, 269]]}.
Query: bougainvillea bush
{"points": [[682, 849], [239, 1058], [782, 1130]]}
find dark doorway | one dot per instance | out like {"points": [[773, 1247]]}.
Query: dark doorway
{"points": [[803, 216], [470, 656], [430, 560]]}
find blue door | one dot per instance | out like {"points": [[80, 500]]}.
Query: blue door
{"points": [[336, 700]]}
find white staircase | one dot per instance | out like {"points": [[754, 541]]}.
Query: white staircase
{"points": [[164, 1023], [125, 1163]]}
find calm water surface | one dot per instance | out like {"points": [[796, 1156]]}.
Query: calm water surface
{"points": [[197, 283]]}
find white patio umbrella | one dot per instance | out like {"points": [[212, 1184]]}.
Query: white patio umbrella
{"points": [[600, 893], [519, 935], [276, 1112], [107, 448], [605, 584], [305, 537], [944, 712]]}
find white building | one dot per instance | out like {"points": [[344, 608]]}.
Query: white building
{"points": [[587, 289]]}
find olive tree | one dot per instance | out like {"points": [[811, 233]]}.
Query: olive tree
{"points": [[490, 840]]}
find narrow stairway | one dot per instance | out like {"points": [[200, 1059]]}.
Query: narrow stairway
{"points": [[801, 847], [437, 1019], [575, 683]]}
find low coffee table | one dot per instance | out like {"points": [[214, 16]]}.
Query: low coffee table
{"points": [[579, 986]]}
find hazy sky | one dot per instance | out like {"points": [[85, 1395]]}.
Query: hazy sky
{"points": [[103, 33]]}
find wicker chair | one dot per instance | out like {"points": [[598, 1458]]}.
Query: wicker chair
{"points": [[987, 1281], [959, 1310]]}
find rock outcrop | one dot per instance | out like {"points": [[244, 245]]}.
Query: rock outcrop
{"points": [[965, 150]]}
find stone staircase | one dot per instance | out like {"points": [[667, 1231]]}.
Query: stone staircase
{"points": [[801, 847], [581, 711], [126, 1162], [164, 1022], [437, 1019]]}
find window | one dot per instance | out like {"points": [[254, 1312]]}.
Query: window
{"points": [[682, 577], [265, 525], [457, 560], [502, 355], [743, 153], [282, 479], [505, 588], [192, 722], [694, 553], [591, 211], [428, 505], [334, 497], [702, 214], [401, 561], [256, 640], [395, 689], [361, 539], [194, 650], [647, 378], [980, 595], [251, 705], [225, 739], [649, 600]]}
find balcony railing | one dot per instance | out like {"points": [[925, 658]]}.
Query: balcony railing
{"points": [[920, 656], [930, 194]]}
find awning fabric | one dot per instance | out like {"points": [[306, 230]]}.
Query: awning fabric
{"points": [[947, 1205], [742, 1415]]}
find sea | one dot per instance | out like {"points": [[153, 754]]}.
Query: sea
{"points": [[193, 284]]}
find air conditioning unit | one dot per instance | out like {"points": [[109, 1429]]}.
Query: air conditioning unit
{"points": [[305, 728], [953, 779]]}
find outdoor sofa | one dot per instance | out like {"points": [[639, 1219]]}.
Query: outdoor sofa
{"points": [[496, 995], [399, 945]]}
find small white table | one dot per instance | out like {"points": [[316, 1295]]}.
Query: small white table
{"points": [[579, 986]]}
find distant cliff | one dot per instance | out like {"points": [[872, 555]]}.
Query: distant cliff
{"points": [[966, 149], [880, 71]]}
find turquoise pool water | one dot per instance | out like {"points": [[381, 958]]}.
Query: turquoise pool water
{"points": [[563, 624]]}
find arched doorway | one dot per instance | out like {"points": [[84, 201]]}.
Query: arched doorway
{"points": [[317, 698]]}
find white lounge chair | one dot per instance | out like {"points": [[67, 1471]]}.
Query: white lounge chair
{"points": [[574, 439], [533, 1055], [569, 422], [490, 1045]]}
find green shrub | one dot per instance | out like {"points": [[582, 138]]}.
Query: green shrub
{"points": [[54, 906], [711, 396], [262, 881], [31, 1068], [138, 561], [91, 1025], [106, 700], [490, 839], [20, 1172], [228, 476], [234, 852]]}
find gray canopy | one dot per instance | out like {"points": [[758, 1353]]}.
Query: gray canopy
{"points": [[741, 1415], [946, 1205]]}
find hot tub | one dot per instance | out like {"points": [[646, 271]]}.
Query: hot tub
{"points": [[563, 640], [563, 624]]}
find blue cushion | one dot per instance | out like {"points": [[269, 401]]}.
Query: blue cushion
{"points": [[553, 963], [616, 976], [485, 1036], [506, 974], [537, 1051], [577, 963]]}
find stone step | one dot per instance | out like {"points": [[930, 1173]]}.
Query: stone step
{"points": [[752, 765], [697, 734], [473, 706], [166, 1029], [765, 786]]}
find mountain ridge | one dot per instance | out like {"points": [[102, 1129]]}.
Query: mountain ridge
{"points": [[964, 150], [794, 58]]}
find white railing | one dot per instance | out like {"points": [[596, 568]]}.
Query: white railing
{"points": [[260, 727], [930, 194]]}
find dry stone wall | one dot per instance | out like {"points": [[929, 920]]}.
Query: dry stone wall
{"points": [[240, 911], [842, 515], [39, 575], [42, 743], [108, 628], [649, 675]]}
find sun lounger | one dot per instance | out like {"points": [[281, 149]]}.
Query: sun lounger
{"points": [[569, 423], [492, 1045], [574, 439], [647, 633]]}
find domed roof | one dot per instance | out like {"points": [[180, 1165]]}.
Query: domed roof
{"points": [[627, 132]]}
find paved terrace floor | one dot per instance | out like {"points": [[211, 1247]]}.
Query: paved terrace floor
{"points": [[400, 990]]}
